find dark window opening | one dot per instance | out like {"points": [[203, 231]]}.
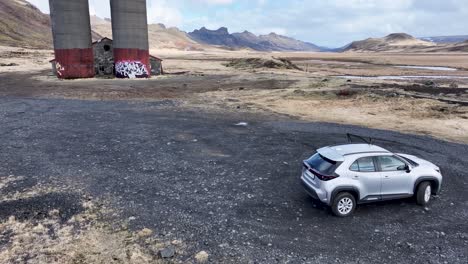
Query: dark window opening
{"points": [[389, 163], [107, 47], [322, 164], [365, 164]]}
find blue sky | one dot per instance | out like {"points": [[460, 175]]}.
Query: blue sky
{"points": [[331, 23]]}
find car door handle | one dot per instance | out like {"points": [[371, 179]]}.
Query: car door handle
{"points": [[387, 177], [356, 177]]}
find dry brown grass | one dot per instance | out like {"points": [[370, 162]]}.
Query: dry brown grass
{"points": [[84, 238]]}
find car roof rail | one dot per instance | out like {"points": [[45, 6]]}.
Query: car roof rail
{"points": [[367, 140]]}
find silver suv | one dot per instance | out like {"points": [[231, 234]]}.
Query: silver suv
{"points": [[347, 175]]}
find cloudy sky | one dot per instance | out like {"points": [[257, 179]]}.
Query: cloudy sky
{"points": [[331, 23]]}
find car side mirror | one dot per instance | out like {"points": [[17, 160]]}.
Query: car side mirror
{"points": [[404, 168]]}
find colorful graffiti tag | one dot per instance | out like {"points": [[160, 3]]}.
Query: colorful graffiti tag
{"points": [[131, 69]]}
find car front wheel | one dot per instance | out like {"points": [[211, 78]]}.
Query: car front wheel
{"points": [[343, 205], [423, 194]]}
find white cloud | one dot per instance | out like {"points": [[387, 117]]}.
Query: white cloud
{"points": [[162, 11]]}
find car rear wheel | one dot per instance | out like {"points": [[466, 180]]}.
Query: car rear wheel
{"points": [[423, 194], [343, 204]]}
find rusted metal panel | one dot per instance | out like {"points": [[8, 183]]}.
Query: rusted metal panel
{"points": [[74, 63]]}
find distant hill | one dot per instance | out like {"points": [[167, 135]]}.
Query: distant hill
{"points": [[391, 43], [159, 36], [270, 42], [23, 25], [446, 39], [452, 47]]}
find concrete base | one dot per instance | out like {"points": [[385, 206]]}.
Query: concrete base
{"points": [[74, 63], [132, 63]]}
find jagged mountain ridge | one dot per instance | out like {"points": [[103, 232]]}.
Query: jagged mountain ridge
{"points": [[246, 39]]}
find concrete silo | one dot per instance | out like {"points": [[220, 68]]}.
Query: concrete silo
{"points": [[72, 38], [130, 34]]}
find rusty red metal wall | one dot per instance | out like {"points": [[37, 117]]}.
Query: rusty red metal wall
{"points": [[74, 63], [132, 63]]}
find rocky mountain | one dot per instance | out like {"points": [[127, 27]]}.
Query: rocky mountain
{"points": [[220, 37], [396, 42], [23, 25], [271, 42], [446, 39]]}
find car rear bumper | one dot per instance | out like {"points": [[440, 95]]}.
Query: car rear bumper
{"points": [[313, 192]]}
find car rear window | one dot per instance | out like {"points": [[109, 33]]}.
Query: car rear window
{"points": [[323, 165]]}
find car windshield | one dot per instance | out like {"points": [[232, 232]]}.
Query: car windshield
{"points": [[412, 162], [322, 164]]}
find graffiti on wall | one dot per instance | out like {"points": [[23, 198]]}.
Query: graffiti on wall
{"points": [[131, 69], [59, 68]]}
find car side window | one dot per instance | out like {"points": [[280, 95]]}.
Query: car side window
{"points": [[390, 163], [365, 164]]}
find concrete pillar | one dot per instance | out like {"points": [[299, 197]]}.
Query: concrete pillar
{"points": [[130, 34], [71, 29]]}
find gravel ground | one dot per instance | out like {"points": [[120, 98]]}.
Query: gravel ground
{"points": [[231, 190]]}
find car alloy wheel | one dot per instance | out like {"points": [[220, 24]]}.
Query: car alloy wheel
{"points": [[345, 206], [427, 194]]}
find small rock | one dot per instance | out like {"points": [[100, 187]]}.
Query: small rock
{"points": [[176, 242], [429, 83], [168, 252], [376, 231], [242, 124], [299, 92], [39, 229], [202, 257], [145, 232]]}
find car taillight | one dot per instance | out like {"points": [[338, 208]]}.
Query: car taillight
{"points": [[326, 177]]}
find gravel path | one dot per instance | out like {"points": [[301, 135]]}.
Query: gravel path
{"points": [[231, 190]]}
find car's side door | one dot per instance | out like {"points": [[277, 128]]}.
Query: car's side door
{"points": [[364, 170], [396, 177]]}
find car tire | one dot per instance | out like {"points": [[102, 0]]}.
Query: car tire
{"points": [[344, 204], [424, 193]]}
